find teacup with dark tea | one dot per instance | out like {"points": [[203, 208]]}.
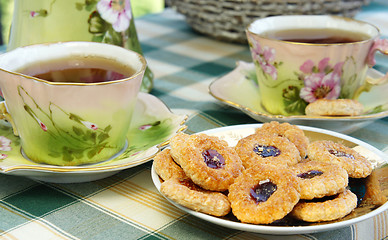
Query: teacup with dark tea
{"points": [[71, 103], [302, 58]]}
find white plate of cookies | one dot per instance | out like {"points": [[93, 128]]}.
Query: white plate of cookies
{"points": [[273, 178]]}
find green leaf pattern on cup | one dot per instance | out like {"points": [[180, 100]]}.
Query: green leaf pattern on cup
{"points": [[148, 131], [292, 100], [85, 139]]}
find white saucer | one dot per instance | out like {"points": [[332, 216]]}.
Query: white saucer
{"points": [[152, 126], [232, 134], [238, 89]]}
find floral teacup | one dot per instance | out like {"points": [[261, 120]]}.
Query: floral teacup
{"points": [[72, 122], [293, 73], [49, 21]]}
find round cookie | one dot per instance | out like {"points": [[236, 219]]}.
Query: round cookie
{"points": [[186, 193], [166, 167], [177, 143], [263, 194], [319, 179], [338, 207], [291, 132], [267, 149], [354, 163], [207, 160], [336, 107]]}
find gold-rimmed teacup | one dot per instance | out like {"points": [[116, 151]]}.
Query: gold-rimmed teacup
{"points": [[300, 59], [70, 103]]}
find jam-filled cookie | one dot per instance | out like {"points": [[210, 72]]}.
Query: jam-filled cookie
{"points": [[336, 107], [319, 179], [207, 160], [291, 132], [336, 207], [263, 194], [186, 193], [354, 163], [267, 149], [166, 167]]}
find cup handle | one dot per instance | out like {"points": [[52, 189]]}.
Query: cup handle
{"points": [[380, 45], [5, 115]]}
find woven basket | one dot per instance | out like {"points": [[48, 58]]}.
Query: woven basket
{"points": [[226, 20]]}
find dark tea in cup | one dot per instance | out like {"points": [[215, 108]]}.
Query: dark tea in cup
{"points": [[317, 36], [78, 69]]}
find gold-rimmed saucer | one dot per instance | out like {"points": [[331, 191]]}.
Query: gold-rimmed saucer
{"points": [[152, 126]]}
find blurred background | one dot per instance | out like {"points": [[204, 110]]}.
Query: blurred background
{"points": [[139, 8], [198, 20]]}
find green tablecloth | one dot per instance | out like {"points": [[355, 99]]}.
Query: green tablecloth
{"points": [[127, 205]]}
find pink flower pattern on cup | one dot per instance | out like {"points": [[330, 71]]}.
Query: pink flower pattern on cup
{"points": [[39, 13], [145, 127], [5, 145], [42, 125], [116, 12], [90, 125], [322, 81], [265, 56]]}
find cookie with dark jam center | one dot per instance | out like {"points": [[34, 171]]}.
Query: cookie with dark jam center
{"points": [[266, 151], [262, 191], [263, 194], [213, 159]]}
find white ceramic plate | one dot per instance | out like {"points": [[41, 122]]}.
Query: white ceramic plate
{"points": [[152, 126], [238, 89], [233, 133]]}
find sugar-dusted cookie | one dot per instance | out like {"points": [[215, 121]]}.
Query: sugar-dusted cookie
{"points": [[291, 132], [263, 194], [207, 160], [166, 167], [337, 107], [319, 210], [186, 193], [319, 179], [267, 149], [354, 163]]}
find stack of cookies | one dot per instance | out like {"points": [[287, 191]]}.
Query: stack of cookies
{"points": [[273, 173]]}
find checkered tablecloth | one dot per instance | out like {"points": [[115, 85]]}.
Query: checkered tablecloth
{"points": [[127, 205]]}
